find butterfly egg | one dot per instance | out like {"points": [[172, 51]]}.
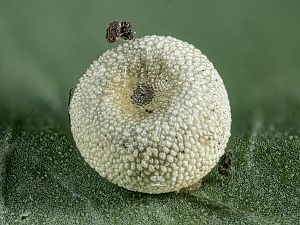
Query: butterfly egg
{"points": [[151, 115]]}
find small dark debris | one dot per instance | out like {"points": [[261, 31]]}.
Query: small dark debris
{"points": [[71, 91], [149, 110], [225, 164], [118, 30], [70, 95], [69, 117]]}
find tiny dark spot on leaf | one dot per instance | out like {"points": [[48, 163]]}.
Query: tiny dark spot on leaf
{"points": [[24, 216]]}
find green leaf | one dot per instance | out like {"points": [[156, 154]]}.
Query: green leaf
{"points": [[46, 47], [47, 181]]}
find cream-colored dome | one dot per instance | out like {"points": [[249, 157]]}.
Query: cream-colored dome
{"points": [[151, 115]]}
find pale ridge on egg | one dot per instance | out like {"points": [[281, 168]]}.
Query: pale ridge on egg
{"points": [[151, 115]]}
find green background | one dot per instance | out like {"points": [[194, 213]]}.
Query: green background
{"points": [[45, 46]]}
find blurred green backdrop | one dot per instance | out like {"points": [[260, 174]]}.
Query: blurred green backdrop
{"points": [[45, 46]]}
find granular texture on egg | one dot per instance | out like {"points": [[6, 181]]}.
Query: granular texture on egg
{"points": [[151, 115]]}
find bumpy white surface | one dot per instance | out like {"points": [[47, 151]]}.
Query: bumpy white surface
{"points": [[163, 144]]}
